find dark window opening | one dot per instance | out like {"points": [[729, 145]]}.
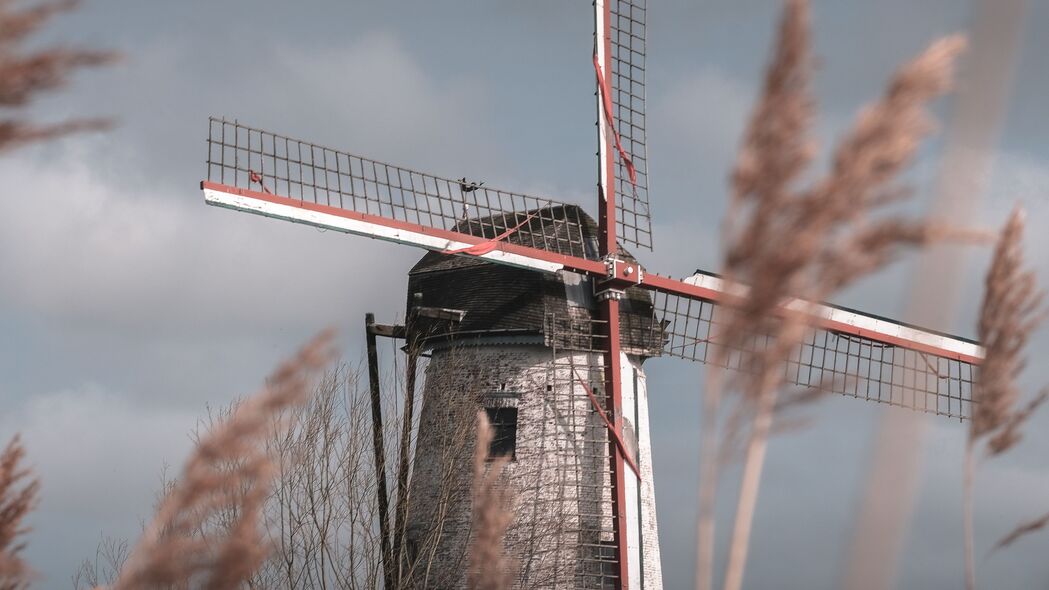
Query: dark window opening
{"points": [[504, 432]]}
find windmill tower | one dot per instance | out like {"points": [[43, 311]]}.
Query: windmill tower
{"points": [[531, 356], [555, 319]]}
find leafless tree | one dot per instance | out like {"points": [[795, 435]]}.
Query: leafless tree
{"points": [[321, 515], [206, 530], [319, 518], [102, 571]]}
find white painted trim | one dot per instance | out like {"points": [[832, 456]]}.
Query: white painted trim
{"points": [[632, 481], [364, 228], [603, 126], [859, 320]]}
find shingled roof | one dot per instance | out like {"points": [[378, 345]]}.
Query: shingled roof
{"points": [[501, 300]]}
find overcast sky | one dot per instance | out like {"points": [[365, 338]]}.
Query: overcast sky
{"points": [[127, 306]]}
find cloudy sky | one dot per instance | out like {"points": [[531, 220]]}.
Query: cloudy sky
{"points": [[127, 306]]}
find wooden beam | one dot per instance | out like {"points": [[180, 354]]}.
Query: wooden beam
{"points": [[389, 578]]}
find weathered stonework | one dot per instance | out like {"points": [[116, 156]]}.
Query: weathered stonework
{"points": [[562, 511]]}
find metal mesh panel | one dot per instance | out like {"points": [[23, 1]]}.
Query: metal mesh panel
{"points": [[577, 333], [634, 222], [249, 158], [574, 490], [841, 363]]}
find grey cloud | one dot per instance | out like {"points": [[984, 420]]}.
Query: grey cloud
{"points": [[99, 458], [78, 250]]}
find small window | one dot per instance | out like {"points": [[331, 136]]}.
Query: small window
{"points": [[504, 432]]}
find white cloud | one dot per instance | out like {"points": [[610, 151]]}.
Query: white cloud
{"points": [[373, 95], [78, 250], [112, 232]]}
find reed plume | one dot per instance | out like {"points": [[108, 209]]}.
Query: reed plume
{"points": [[228, 471], [787, 244], [781, 118], [1011, 310], [24, 75], [490, 568], [18, 496], [1022, 530]]}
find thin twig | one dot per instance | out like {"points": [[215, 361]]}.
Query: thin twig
{"points": [[228, 470]]}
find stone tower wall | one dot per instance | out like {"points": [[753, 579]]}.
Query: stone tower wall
{"points": [[562, 510]]}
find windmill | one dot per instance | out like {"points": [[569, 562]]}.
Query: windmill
{"points": [[538, 312]]}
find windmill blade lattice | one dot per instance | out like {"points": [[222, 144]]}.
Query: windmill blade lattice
{"points": [[627, 42], [269, 164], [844, 363], [578, 444]]}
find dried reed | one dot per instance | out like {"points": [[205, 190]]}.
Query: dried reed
{"points": [[888, 497], [1011, 309], [228, 470], [1024, 529], [24, 75], [18, 496], [781, 118], [832, 240], [490, 568]]}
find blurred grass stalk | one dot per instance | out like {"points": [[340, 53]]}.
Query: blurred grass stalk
{"points": [[889, 494], [490, 567], [1011, 310], [840, 229], [229, 473], [27, 72], [19, 494]]}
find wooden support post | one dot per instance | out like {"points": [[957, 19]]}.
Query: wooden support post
{"points": [[389, 578], [609, 306], [614, 407], [402, 471]]}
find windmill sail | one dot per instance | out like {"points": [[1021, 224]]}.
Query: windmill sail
{"points": [[627, 31], [848, 352], [265, 173]]}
